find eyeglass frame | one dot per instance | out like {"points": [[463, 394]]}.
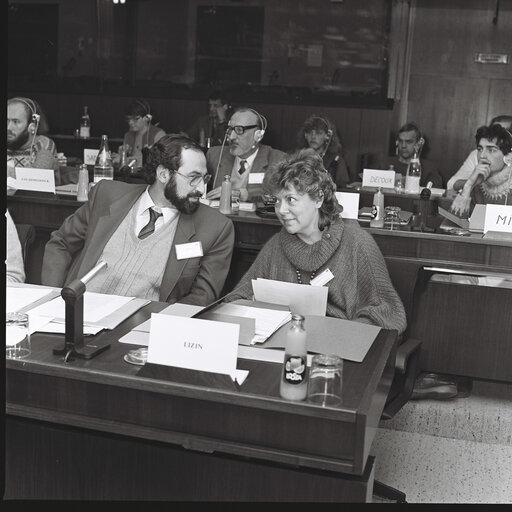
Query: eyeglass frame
{"points": [[195, 181], [239, 127]]}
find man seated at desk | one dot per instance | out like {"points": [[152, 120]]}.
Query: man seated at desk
{"points": [[408, 142], [245, 155], [491, 179], [26, 144], [159, 242]]}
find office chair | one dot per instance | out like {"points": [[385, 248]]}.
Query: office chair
{"points": [[27, 236]]}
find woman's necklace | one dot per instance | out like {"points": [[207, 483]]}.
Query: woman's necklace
{"points": [[299, 276]]}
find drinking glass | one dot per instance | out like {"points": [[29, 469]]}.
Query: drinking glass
{"points": [[325, 380], [235, 201], [17, 336], [392, 217]]}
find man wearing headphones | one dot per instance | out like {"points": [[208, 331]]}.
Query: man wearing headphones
{"points": [[246, 159], [158, 241], [210, 130], [142, 133], [409, 141], [26, 144]]}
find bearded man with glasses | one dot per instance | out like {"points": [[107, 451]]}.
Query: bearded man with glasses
{"points": [[246, 159], [159, 241]]}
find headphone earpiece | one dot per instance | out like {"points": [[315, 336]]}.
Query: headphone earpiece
{"points": [[507, 159], [258, 135], [35, 118], [148, 117]]}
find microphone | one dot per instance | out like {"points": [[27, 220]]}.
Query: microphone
{"points": [[220, 157], [73, 295]]}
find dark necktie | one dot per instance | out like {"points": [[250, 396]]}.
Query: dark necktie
{"points": [[242, 167], [150, 226]]}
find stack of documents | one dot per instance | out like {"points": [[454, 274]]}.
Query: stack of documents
{"points": [[47, 310], [267, 321]]}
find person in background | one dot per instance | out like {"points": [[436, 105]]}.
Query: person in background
{"points": [[245, 155], [14, 265], [210, 129], [314, 238], [471, 161], [141, 134], [409, 140], [320, 133], [158, 241], [491, 179], [27, 144]]}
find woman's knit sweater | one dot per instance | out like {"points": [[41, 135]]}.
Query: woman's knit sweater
{"points": [[361, 289]]}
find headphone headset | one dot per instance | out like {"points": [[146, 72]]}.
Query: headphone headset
{"points": [[258, 134], [145, 105], [34, 116]]}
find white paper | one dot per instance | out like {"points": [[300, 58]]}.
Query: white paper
{"points": [[267, 320], [300, 298], [176, 309], [20, 297], [193, 343], [96, 306], [41, 180], [270, 355], [350, 203]]}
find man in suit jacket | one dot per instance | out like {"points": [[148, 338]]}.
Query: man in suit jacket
{"points": [[184, 254], [245, 155]]}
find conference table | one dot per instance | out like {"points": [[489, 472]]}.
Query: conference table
{"points": [[103, 429], [464, 330]]}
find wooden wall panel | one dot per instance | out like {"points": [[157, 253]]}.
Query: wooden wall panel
{"points": [[500, 96], [448, 111]]}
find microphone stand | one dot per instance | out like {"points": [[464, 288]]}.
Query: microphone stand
{"points": [[73, 296]]}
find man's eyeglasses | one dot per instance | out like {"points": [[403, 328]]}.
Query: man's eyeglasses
{"points": [[239, 129], [196, 179]]}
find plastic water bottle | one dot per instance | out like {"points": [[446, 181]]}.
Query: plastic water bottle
{"points": [[103, 168], [412, 180], [225, 196], [294, 384], [85, 125], [83, 183], [377, 220]]}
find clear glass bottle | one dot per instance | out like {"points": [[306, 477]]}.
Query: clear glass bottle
{"points": [[294, 384], [83, 183], [412, 180], [377, 220], [225, 196], [103, 168], [85, 125]]}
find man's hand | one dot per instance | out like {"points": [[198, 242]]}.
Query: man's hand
{"points": [[214, 193]]}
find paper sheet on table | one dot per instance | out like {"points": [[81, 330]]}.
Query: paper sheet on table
{"points": [[20, 297], [327, 335], [97, 306], [270, 355], [267, 321], [301, 298], [60, 328], [176, 309]]}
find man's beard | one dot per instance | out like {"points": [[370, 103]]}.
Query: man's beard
{"points": [[17, 143], [182, 203]]}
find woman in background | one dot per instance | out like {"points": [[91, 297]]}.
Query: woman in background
{"points": [[320, 133], [314, 238]]}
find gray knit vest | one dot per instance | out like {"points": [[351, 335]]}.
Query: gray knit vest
{"points": [[134, 267]]}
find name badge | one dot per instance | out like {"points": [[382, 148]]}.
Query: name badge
{"points": [[322, 278], [256, 178], [90, 156], [191, 250]]}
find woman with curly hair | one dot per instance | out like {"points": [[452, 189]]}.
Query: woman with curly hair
{"points": [[314, 237]]}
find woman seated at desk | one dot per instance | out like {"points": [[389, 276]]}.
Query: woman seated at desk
{"points": [[320, 133], [314, 238], [141, 134]]}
